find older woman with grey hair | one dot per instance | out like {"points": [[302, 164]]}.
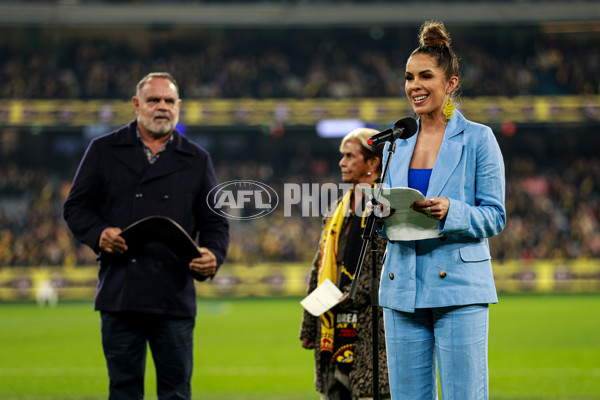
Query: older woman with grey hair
{"points": [[342, 337]]}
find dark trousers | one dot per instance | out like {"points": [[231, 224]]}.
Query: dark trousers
{"points": [[125, 337]]}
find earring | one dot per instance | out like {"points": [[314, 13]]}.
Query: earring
{"points": [[449, 109], [368, 173]]}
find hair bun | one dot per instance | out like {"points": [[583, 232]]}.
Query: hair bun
{"points": [[434, 34]]}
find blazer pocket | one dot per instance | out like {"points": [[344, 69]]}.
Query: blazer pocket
{"points": [[475, 253]]}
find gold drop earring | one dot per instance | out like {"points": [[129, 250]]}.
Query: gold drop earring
{"points": [[449, 109]]}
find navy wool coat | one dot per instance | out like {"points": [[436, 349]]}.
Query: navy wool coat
{"points": [[115, 186]]}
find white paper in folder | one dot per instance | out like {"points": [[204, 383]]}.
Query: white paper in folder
{"points": [[405, 224]]}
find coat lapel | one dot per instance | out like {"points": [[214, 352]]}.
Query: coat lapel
{"points": [[127, 150], [166, 162], [123, 149], [449, 155]]}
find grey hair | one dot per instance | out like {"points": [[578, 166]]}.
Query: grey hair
{"points": [[362, 135], [163, 75]]}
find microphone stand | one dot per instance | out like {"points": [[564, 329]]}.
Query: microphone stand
{"points": [[370, 235]]}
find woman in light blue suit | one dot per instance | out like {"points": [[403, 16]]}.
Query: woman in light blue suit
{"points": [[435, 292]]}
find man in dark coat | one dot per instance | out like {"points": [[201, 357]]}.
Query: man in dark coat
{"points": [[146, 293]]}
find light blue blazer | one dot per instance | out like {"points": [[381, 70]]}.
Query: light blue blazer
{"points": [[456, 268]]}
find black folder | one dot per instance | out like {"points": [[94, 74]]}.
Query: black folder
{"points": [[163, 230]]}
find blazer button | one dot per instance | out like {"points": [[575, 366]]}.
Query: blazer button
{"points": [[166, 197], [391, 276], [443, 274], [139, 195], [133, 261]]}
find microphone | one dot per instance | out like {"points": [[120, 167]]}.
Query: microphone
{"points": [[402, 129]]}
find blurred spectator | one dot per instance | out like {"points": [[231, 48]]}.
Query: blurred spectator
{"points": [[553, 210], [295, 63], [32, 232], [553, 213]]}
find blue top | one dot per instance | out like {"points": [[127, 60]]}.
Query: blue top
{"points": [[419, 179]]}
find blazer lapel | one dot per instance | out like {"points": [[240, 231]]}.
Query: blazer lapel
{"points": [[401, 160], [449, 155]]}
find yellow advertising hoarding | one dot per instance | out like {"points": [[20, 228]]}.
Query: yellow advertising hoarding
{"points": [[228, 112], [290, 279]]}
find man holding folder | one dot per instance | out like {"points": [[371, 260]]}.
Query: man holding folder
{"points": [[146, 293]]}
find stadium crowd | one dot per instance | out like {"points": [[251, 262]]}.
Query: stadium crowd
{"points": [[292, 63], [553, 205], [553, 210]]}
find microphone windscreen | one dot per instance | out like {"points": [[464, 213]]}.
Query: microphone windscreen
{"points": [[409, 124]]}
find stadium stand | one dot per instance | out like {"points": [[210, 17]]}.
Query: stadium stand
{"points": [[289, 63], [552, 191]]}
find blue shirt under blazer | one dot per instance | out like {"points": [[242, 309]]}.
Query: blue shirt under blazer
{"points": [[456, 268]]}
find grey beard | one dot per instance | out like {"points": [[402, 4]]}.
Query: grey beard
{"points": [[159, 131]]}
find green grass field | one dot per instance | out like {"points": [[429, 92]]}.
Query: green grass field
{"points": [[541, 347]]}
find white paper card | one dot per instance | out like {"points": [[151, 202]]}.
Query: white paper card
{"points": [[405, 224], [323, 298]]}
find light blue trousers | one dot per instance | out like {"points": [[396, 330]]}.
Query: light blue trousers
{"points": [[455, 337]]}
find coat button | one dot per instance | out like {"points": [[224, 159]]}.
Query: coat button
{"points": [[133, 261], [443, 274], [139, 195], [391, 276], [166, 197]]}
